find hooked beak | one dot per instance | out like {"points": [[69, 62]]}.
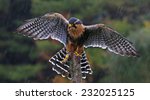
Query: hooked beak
{"points": [[70, 25]]}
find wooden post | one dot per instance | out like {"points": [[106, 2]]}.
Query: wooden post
{"points": [[75, 69]]}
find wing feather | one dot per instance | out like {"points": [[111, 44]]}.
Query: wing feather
{"points": [[104, 37], [48, 26]]}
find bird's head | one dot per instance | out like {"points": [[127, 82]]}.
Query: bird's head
{"points": [[73, 22], [75, 27]]}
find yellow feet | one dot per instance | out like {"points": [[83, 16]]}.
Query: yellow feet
{"points": [[77, 54], [65, 59]]}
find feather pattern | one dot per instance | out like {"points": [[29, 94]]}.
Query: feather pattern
{"points": [[85, 66], [64, 69], [50, 25], [104, 37], [58, 66]]}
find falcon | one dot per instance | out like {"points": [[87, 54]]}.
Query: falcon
{"points": [[75, 36]]}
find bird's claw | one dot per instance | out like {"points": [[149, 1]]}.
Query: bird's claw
{"points": [[65, 59], [77, 54]]}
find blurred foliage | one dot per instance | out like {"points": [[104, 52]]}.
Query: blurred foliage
{"points": [[121, 26], [4, 4], [19, 72], [24, 60]]}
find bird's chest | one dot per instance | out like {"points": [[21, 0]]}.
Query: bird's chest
{"points": [[75, 33], [76, 41]]}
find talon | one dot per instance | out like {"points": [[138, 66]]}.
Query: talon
{"points": [[77, 54], [65, 59]]}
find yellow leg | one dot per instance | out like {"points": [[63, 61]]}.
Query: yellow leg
{"points": [[77, 52], [65, 59]]}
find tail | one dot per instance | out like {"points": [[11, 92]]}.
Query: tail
{"points": [[58, 66], [85, 66], [63, 68]]}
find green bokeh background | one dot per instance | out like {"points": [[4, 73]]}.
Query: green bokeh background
{"points": [[24, 60]]}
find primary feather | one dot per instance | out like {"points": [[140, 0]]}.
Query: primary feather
{"points": [[49, 25], [104, 37]]}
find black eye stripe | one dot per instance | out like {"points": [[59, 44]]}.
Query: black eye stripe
{"points": [[74, 25]]}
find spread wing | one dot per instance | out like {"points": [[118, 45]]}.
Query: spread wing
{"points": [[101, 36], [50, 25]]}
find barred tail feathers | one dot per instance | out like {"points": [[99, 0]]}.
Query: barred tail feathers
{"points": [[85, 66], [58, 66], [64, 69]]}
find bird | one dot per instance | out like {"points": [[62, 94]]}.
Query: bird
{"points": [[75, 37]]}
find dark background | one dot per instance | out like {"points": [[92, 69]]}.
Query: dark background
{"points": [[24, 60]]}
